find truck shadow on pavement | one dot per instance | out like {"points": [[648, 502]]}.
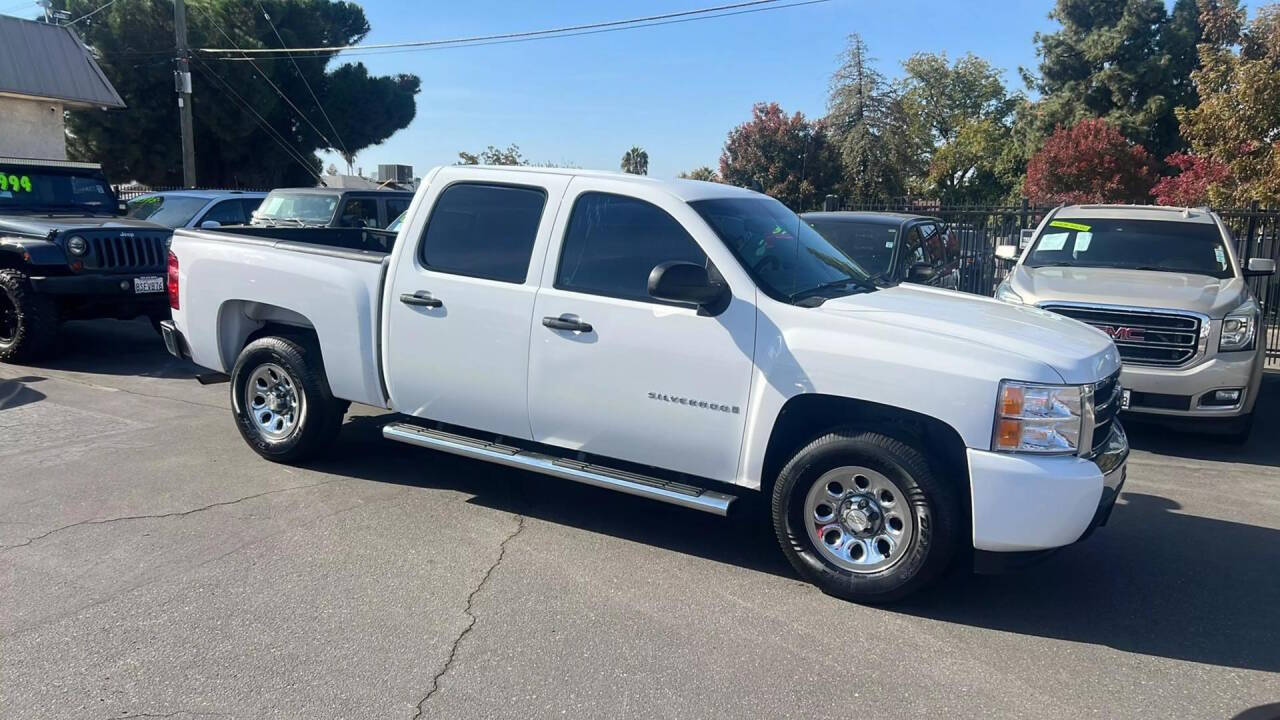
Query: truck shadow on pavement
{"points": [[115, 347], [17, 392]]}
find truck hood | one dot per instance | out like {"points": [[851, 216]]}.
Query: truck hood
{"points": [[42, 225], [1077, 352], [1136, 288]]}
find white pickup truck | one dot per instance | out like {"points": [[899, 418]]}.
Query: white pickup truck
{"points": [[681, 341]]}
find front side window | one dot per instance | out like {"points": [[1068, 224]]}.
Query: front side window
{"points": [[173, 211], [395, 209], [613, 242], [227, 212], [484, 231], [786, 258], [1159, 245], [871, 245], [359, 212]]}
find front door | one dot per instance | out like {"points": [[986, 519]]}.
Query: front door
{"points": [[650, 382], [460, 301]]}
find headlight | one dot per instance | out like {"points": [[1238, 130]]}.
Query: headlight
{"points": [[1039, 418], [1005, 293], [76, 245], [1240, 328]]}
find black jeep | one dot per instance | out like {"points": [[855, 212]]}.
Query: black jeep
{"points": [[67, 253]]}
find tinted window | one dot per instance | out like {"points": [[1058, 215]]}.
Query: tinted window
{"points": [[29, 187], [1163, 245], [396, 208], [249, 205], [614, 242], [359, 212], [484, 231], [227, 212], [870, 244]]}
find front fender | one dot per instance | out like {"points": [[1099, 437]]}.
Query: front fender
{"points": [[34, 252]]}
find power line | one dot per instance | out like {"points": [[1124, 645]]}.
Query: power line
{"points": [[298, 70], [93, 12], [502, 36]]}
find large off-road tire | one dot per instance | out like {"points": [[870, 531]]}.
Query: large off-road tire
{"points": [[28, 321], [281, 401], [865, 517]]}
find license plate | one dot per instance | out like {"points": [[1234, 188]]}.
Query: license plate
{"points": [[152, 284], [1124, 399]]}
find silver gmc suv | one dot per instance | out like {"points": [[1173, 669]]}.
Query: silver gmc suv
{"points": [[1166, 285]]}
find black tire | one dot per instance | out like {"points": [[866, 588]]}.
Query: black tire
{"points": [[936, 519], [28, 320], [318, 415]]}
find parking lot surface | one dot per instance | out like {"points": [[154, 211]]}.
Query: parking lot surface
{"points": [[152, 566]]}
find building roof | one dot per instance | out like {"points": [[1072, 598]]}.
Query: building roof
{"points": [[1135, 212], [49, 62]]}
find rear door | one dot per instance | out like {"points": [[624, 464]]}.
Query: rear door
{"points": [[460, 297], [650, 382]]}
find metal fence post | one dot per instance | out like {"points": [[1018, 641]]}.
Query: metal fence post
{"points": [[1251, 226], [1024, 215]]}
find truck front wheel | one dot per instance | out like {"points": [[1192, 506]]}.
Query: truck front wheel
{"points": [[28, 321], [864, 517], [281, 400]]}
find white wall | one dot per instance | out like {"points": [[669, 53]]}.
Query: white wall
{"points": [[32, 128]]}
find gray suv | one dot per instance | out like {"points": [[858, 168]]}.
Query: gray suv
{"points": [[1165, 284]]}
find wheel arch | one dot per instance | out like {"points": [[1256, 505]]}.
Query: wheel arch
{"points": [[240, 322]]}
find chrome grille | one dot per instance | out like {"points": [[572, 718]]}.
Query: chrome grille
{"points": [[1160, 339], [1106, 406], [131, 252]]}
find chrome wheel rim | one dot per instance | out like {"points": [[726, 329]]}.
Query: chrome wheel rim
{"points": [[859, 520], [274, 401]]}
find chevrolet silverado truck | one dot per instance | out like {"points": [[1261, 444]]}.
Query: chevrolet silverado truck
{"points": [[1166, 285], [682, 341], [66, 253]]}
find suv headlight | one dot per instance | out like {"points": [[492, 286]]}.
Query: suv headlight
{"points": [[1240, 328], [1034, 418], [77, 246], [1005, 293]]}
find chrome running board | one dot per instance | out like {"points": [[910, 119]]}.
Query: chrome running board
{"points": [[631, 483]]}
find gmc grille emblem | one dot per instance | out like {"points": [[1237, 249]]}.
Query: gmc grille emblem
{"points": [[1124, 333]]}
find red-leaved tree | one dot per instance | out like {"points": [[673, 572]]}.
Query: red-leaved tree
{"points": [[1089, 163], [791, 158], [1190, 186]]}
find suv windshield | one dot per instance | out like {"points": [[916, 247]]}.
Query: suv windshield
{"points": [[302, 208], [1161, 245], [788, 260], [173, 211], [41, 189], [869, 244]]}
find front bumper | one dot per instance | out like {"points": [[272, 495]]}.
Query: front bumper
{"points": [[1027, 503], [1179, 392], [110, 286]]}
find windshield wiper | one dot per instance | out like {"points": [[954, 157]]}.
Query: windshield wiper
{"points": [[863, 285]]}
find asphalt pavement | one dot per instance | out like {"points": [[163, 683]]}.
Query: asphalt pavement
{"points": [[151, 565]]}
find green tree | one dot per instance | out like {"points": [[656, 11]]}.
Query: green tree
{"points": [[703, 173], [510, 155], [786, 157], [134, 41], [635, 161], [868, 128], [1127, 61], [1237, 123], [960, 118]]}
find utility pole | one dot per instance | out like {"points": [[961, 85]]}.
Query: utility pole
{"points": [[182, 84]]}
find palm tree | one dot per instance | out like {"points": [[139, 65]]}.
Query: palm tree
{"points": [[635, 161]]}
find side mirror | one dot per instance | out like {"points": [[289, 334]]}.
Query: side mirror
{"points": [[685, 282], [210, 224], [921, 272], [1261, 266], [1007, 252]]}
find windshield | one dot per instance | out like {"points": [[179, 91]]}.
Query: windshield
{"points": [[1160, 245], [869, 244], [308, 208], [788, 260], [173, 211], [31, 188]]}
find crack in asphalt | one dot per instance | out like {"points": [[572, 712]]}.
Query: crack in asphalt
{"points": [[453, 649], [180, 513]]}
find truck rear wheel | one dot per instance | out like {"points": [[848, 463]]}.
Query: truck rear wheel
{"points": [[864, 517], [28, 321], [281, 400]]}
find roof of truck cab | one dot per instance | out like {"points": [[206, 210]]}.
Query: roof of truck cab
{"points": [[1136, 212], [866, 216], [687, 190]]}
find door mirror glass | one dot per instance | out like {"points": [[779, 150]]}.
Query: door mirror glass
{"points": [[1007, 252], [1261, 266], [921, 272], [210, 224], [685, 282]]}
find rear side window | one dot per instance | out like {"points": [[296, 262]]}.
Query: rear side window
{"points": [[614, 242], [484, 231], [359, 212], [227, 212], [396, 208]]}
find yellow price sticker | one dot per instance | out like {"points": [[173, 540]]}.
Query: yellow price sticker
{"points": [[1069, 226]]}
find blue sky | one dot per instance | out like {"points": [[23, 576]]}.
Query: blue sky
{"points": [[675, 90]]}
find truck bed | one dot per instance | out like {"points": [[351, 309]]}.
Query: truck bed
{"points": [[371, 240]]}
